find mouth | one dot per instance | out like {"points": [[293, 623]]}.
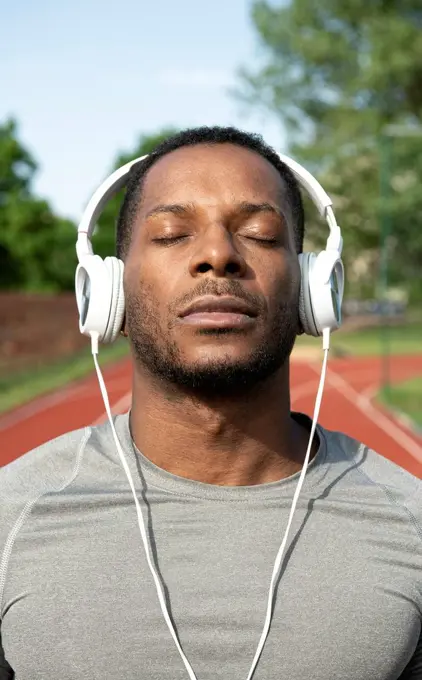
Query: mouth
{"points": [[219, 312]]}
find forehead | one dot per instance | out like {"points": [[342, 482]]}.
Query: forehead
{"points": [[215, 174]]}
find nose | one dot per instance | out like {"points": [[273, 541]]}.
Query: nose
{"points": [[217, 254]]}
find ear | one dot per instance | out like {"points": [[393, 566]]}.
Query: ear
{"points": [[123, 330], [299, 326]]}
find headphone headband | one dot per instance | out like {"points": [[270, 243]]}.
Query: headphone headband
{"points": [[117, 180], [99, 283]]}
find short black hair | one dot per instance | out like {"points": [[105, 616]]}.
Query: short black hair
{"points": [[208, 136]]}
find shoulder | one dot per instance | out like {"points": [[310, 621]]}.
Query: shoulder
{"points": [[44, 466], [50, 466], [370, 468]]}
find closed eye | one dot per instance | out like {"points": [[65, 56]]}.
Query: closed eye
{"points": [[169, 240], [263, 239]]}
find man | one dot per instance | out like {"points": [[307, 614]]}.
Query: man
{"points": [[209, 231]]}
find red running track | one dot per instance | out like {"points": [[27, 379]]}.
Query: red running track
{"points": [[347, 406]]}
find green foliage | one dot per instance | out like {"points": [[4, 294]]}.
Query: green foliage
{"points": [[36, 247], [105, 236], [336, 73], [16, 165]]}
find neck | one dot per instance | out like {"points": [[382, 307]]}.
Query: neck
{"points": [[246, 440]]}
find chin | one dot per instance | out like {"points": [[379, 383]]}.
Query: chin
{"points": [[214, 364], [217, 364], [217, 378], [219, 353], [224, 371]]}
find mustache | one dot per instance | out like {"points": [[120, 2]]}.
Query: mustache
{"points": [[219, 288]]}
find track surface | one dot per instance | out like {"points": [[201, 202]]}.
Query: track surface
{"points": [[347, 406]]}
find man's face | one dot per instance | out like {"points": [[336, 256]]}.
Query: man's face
{"points": [[212, 276]]}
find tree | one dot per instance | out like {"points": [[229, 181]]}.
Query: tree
{"points": [[36, 247], [336, 73], [104, 240]]}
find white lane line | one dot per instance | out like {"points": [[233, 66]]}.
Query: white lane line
{"points": [[119, 406], [303, 390], [404, 420], [37, 406], [43, 403], [363, 403]]}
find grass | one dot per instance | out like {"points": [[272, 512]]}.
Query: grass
{"points": [[372, 341], [19, 388], [405, 397]]}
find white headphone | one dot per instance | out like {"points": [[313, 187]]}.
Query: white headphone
{"points": [[99, 283]]}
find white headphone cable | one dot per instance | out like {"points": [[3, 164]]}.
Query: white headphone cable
{"points": [[94, 348], [277, 564]]}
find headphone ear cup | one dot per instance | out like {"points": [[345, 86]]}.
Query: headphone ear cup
{"points": [[306, 314], [100, 297], [322, 291], [93, 295], [115, 268]]}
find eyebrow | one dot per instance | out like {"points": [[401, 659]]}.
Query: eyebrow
{"points": [[174, 208], [253, 208], [245, 207]]}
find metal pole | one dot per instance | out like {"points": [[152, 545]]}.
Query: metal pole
{"points": [[385, 147], [385, 230]]}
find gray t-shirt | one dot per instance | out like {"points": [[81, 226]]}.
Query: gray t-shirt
{"points": [[78, 600]]}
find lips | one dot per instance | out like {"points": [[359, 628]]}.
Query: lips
{"points": [[218, 313], [219, 305]]}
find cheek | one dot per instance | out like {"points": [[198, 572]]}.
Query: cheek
{"points": [[280, 278], [151, 284]]}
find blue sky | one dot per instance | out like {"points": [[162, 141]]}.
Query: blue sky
{"points": [[84, 78]]}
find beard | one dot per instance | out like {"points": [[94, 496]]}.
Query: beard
{"points": [[154, 348]]}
